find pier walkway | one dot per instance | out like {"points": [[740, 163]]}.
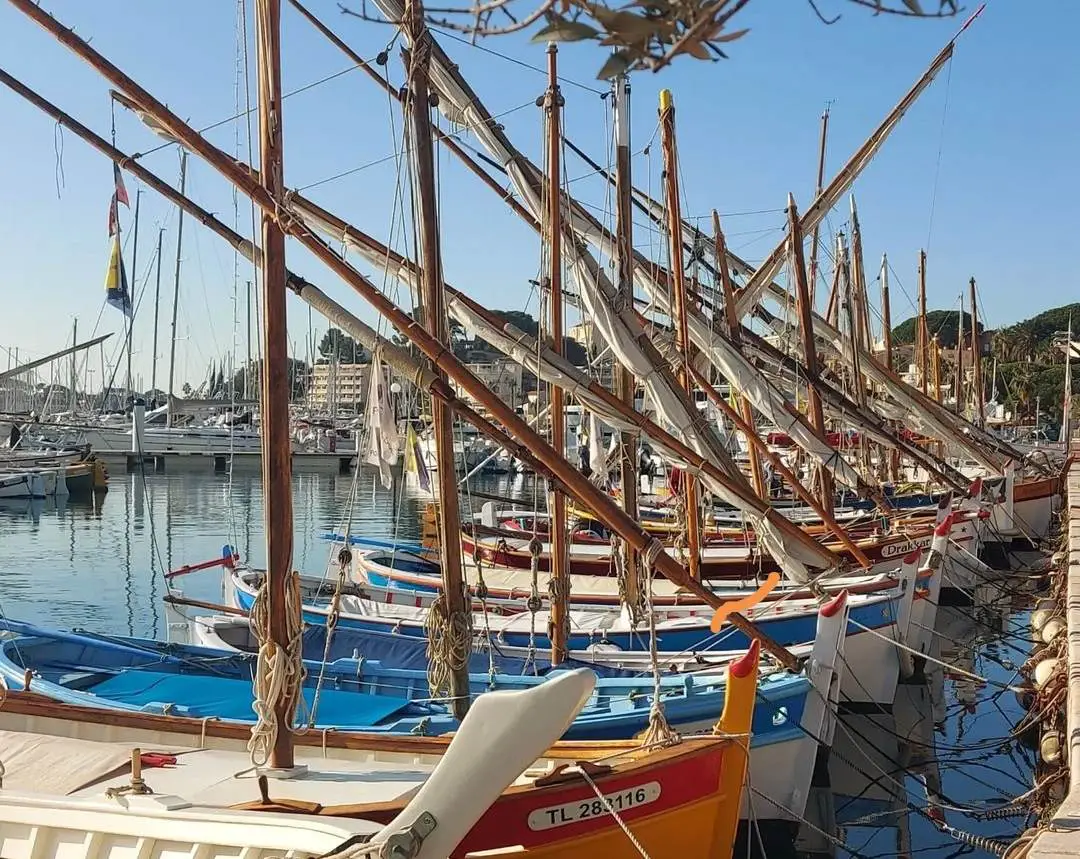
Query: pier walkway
{"points": [[1062, 838]]}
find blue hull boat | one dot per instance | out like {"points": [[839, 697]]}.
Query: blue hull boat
{"points": [[355, 694]]}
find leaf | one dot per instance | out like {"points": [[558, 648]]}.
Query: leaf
{"points": [[562, 30], [618, 63], [914, 6], [730, 37], [697, 49]]}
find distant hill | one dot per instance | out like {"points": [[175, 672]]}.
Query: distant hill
{"points": [[1030, 369], [943, 323]]}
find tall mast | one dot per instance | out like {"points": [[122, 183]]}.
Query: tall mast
{"points": [[176, 280], [157, 302], [134, 281], [542, 454], [678, 286], [935, 366], [976, 361], [886, 338], [960, 397], [817, 193], [560, 561], [923, 347], [746, 412], [886, 313], [452, 606], [276, 454], [625, 384], [806, 328], [74, 342], [249, 371]]}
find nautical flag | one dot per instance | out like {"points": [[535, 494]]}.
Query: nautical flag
{"points": [[118, 182], [116, 287], [120, 195], [414, 459]]}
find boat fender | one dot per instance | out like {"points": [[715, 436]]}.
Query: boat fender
{"points": [[1044, 670], [1039, 617], [1050, 747], [1053, 628]]}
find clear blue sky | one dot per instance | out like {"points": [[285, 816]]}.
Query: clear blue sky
{"points": [[1004, 120]]}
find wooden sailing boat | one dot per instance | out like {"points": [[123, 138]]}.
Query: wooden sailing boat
{"points": [[701, 820]]}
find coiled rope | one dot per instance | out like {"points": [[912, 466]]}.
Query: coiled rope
{"points": [[279, 670]]}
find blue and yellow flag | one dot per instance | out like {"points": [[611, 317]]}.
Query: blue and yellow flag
{"points": [[116, 287], [414, 458]]}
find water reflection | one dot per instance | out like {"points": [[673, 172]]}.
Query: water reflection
{"points": [[939, 751]]}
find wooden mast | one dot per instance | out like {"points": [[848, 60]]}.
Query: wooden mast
{"points": [[745, 409], [923, 347], [806, 328], [886, 338], [245, 179], [960, 396], [433, 316], [935, 367], [625, 384], [560, 561], [678, 287], [976, 362], [276, 452], [176, 283], [817, 193]]}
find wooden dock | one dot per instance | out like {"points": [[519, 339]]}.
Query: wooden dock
{"points": [[1062, 837], [220, 461]]}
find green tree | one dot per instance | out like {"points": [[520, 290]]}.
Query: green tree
{"points": [[944, 323], [336, 344]]}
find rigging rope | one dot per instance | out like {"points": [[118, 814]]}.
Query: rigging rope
{"points": [[278, 670]]}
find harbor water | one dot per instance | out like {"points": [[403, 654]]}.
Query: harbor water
{"points": [[943, 753]]}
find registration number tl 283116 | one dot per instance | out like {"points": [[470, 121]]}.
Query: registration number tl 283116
{"points": [[572, 812]]}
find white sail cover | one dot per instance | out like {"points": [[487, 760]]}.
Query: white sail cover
{"points": [[765, 397], [381, 445]]}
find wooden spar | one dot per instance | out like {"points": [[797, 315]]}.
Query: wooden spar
{"points": [[843, 180], [176, 281], [444, 139], [433, 315], [337, 314], [244, 179], [858, 288], [960, 397], [728, 294], [682, 325], [832, 306], [976, 361], [886, 339], [935, 366], [806, 328], [848, 265], [276, 450], [157, 307], [923, 339], [560, 556], [814, 234], [625, 383], [760, 447]]}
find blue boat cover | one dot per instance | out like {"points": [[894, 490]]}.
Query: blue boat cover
{"points": [[230, 698]]}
